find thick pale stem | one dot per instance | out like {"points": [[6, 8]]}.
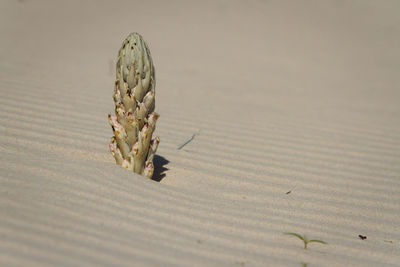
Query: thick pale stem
{"points": [[134, 120]]}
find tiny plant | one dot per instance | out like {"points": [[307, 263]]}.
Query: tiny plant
{"points": [[305, 239]]}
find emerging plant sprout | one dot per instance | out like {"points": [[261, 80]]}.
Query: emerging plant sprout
{"points": [[305, 239], [134, 121]]}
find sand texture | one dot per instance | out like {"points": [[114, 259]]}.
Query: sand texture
{"points": [[297, 106]]}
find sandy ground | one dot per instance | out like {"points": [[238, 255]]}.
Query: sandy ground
{"points": [[298, 108]]}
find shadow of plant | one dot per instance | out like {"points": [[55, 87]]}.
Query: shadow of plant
{"points": [[159, 168]]}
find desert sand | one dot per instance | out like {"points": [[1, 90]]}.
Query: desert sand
{"points": [[297, 106]]}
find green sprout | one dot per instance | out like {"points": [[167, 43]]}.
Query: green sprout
{"points": [[305, 239]]}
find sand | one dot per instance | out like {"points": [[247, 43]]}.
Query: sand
{"points": [[297, 108]]}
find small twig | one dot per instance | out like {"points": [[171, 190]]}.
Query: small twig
{"points": [[290, 191], [188, 140]]}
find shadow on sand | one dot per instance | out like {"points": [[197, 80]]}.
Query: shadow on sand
{"points": [[159, 168]]}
